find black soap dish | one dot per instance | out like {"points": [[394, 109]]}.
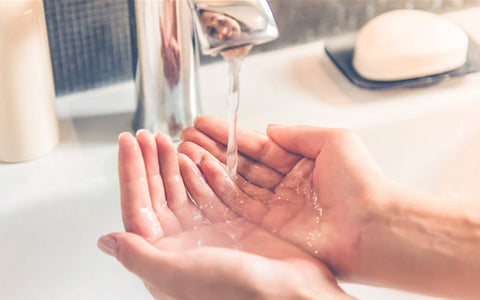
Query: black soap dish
{"points": [[340, 50]]}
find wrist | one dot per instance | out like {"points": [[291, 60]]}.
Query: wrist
{"points": [[374, 232], [422, 242]]}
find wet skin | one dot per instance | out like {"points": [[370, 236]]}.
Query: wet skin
{"points": [[317, 200], [156, 207]]}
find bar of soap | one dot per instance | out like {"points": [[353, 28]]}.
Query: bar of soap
{"points": [[406, 44]]}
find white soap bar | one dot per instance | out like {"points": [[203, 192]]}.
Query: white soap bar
{"points": [[405, 44]]}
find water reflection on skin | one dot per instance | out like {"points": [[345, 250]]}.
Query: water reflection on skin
{"points": [[170, 52]]}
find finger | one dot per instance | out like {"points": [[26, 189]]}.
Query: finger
{"points": [[255, 172], [304, 140], [299, 180], [137, 213], [194, 152], [167, 272], [207, 201], [164, 215], [175, 191], [238, 201], [251, 143], [255, 192], [259, 193], [197, 154], [139, 257], [148, 147]]}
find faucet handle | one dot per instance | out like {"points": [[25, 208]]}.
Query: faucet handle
{"points": [[225, 25]]}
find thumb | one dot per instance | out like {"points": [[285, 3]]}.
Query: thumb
{"points": [[136, 254], [304, 140]]}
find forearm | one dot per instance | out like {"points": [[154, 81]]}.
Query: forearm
{"points": [[424, 243]]}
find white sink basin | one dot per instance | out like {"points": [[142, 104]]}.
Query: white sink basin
{"points": [[52, 210]]}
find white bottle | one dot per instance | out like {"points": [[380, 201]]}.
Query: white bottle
{"points": [[28, 123]]}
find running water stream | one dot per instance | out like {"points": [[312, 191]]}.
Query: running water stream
{"points": [[233, 100]]}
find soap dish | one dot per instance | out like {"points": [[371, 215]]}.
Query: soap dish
{"points": [[340, 50]]}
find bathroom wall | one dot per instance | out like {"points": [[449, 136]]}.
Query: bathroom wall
{"points": [[91, 46]]}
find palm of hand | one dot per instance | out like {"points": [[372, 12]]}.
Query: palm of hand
{"points": [[150, 175], [315, 204], [316, 211], [147, 180], [298, 211]]}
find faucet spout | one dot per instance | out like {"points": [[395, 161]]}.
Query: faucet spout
{"points": [[168, 34], [225, 25], [166, 71]]}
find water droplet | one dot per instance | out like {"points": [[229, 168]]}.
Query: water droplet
{"points": [[229, 181], [232, 235], [197, 216]]}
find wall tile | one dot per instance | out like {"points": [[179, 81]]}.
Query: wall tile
{"points": [[90, 40]]}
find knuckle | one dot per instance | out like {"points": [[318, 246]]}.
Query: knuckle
{"points": [[264, 147], [188, 132], [341, 134], [123, 255]]}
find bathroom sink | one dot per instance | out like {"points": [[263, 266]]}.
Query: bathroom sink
{"points": [[49, 250], [52, 210]]}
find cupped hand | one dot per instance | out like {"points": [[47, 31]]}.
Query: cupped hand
{"points": [[313, 187], [183, 251]]}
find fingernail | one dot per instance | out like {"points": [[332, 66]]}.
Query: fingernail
{"points": [[181, 134], [108, 245], [163, 140], [196, 120], [206, 158], [200, 160], [125, 133], [274, 125], [140, 131]]}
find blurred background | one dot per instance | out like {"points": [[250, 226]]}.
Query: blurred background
{"points": [[91, 40]]}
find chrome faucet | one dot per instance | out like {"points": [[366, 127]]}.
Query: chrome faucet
{"points": [[168, 34]]}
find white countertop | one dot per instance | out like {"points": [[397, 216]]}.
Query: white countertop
{"points": [[53, 209]]}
